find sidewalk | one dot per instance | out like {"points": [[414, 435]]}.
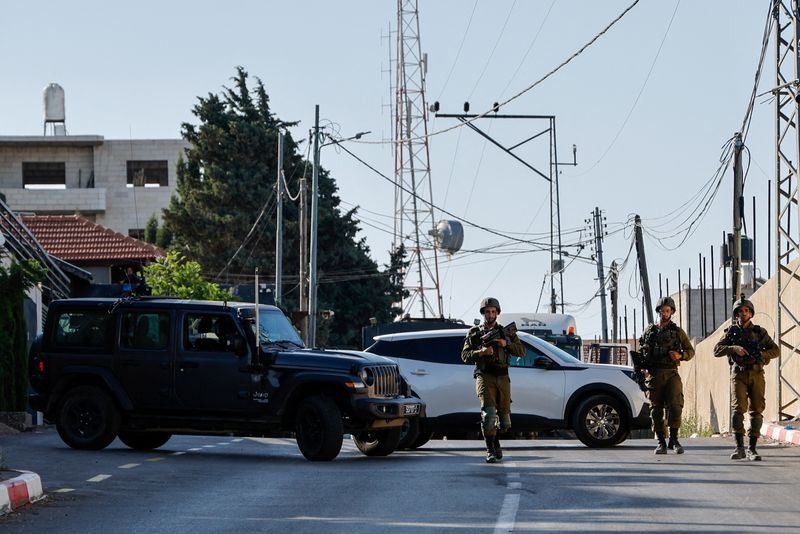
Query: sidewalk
{"points": [[784, 432], [17, 487], [25, 487]]}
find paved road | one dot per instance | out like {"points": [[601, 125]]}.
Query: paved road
{"points": [[213, 484]]}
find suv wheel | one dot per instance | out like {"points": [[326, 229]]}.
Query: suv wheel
{"points": [[414, 434], [143, 441], [87, 419], [378, 442], [598, 422], [318, 428]]}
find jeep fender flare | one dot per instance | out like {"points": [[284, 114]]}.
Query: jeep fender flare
{"points": [[87, 375], [592, 389], [303, 384]]}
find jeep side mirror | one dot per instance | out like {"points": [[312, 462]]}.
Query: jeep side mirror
{"points": [[239, 345], [542, 362]]}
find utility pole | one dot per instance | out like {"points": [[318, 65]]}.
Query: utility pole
{"points": [[598, 240], [612, 288], [303, 262], [738, 205], [643, 267], [279, 226], [312, 284]]}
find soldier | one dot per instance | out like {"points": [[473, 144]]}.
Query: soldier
{"points": [[663, 346], [748, 348], [491, 375]]}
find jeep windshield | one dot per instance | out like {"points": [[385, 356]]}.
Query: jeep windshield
{"points": [[274, 328]]}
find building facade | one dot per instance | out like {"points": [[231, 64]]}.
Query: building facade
{"points": [[119, 184]]}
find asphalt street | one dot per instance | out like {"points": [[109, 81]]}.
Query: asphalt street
{"points": [[202, 484]]}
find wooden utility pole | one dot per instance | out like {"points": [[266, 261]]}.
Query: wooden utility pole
{"points": [[598, 240], [643, 267], [279, 226], [738, 209]]}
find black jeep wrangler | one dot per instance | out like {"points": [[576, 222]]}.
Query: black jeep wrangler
{"points": [[144, 369]]}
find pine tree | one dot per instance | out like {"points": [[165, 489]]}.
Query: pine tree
{"points": [[226, 180]]}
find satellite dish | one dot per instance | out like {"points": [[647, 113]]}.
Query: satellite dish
{"points": [[449, 236]]}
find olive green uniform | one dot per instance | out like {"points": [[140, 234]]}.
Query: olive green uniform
{"points": [[664, 385], [748, 378], [492, 384]]}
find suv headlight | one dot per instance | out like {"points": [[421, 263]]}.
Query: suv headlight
{"points": [[367, 376]]}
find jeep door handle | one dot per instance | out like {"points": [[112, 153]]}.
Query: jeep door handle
{"points": [[188, 365], [130, 362], [420, 372]]}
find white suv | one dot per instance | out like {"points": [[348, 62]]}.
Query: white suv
{"points": [[550, 389]]}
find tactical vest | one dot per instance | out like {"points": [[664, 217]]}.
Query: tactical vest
{"points": [[657, 344], [499, 362]]}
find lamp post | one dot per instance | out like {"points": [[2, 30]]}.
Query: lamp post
{"points": [[312, 269]]}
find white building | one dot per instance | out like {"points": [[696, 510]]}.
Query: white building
{"points": [[116, 183]]}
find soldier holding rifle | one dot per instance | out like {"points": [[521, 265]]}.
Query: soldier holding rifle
{"points": [[663, 347], [748, 348], [490, 346]]}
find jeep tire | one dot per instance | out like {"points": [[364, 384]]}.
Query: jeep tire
{"points": [[318, 428], [87, 418], [143, 441], [378, 442], [599, 422]]}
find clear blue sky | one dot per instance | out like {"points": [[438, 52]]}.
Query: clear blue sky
{"points": [[136, 71]]}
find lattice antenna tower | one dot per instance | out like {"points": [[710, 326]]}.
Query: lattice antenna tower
{"points": [[786, 220], [414, 218]]}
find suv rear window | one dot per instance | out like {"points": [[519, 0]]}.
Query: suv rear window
{"points": [[434, 349], [81, 328]]}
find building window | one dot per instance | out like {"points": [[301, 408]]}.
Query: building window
{"points": [[147, 173], [44, 175], [136, 233]]}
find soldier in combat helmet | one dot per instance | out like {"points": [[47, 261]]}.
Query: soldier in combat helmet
{"points": [[492, 383], [749, 348], [664, 345]]}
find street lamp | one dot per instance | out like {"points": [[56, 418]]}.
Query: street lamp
{"points": [[312, 269]]}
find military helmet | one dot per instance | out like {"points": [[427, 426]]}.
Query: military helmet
{"points": [[743, 302], [488, 302], [665, 301]]}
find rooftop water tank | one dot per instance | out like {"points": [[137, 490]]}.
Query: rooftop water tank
{"points": [[54, 103]]}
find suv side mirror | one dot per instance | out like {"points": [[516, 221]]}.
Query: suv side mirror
{"points": [[542, 363], [239, 345]]}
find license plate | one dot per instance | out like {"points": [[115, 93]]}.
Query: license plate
{"points": [[411, 409]]}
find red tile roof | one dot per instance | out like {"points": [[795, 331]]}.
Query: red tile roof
{"points": [[77, 240]]}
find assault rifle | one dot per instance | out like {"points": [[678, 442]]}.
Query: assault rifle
{"points": [[736, 336], [640, 365], [498, 333]]}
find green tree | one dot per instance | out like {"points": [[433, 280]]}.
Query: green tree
{"points": [[14, 281], [151, 229], [176, 276], [225, 185]]}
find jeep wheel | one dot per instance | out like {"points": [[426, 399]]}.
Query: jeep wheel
{"points": [[143, 441], [378, 442], [414, 435], [87, 419], [318, 428], [598, 422]]}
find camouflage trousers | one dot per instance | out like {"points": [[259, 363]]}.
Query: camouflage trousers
{"points": [[665, 391], [748, 385], [494, 393]]}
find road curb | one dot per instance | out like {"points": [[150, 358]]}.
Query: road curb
{"points": [[782, 434], [19, 491]]}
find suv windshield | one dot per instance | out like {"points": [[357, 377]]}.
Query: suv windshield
{"points": [[274, 327]]}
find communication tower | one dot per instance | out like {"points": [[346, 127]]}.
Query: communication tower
{"points": [[414, 224]]}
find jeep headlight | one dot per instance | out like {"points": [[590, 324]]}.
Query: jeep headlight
{"points": [[367, 376]]}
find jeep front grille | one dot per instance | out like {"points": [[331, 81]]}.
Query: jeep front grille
{"points": [[385, 380]]}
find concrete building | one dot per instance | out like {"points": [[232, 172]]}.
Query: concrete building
{"points": [[116, 183]]}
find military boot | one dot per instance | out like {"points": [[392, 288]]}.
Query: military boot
{"points": [[751, 453], [498, 451], [661, 448], [738, 454], [490, 454], [674, 444]]}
